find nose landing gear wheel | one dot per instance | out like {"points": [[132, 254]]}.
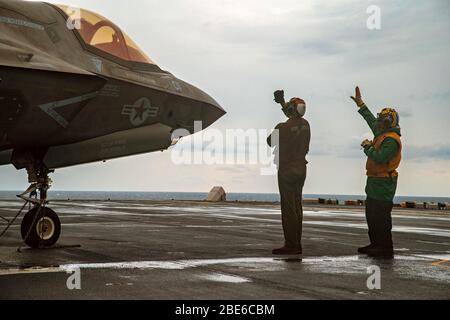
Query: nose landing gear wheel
{"points": [[40, 228]]}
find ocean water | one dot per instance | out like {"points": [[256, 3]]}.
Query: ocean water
{"points": [[269, 197]]}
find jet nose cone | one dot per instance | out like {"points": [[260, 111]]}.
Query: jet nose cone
{"points": [[211, 113], [192, 105], [211, 109]]}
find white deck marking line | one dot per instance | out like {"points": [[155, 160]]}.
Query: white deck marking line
{"points": [[195, 263]]}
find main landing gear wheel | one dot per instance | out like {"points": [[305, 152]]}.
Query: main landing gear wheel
{"points": [[40, 227]]}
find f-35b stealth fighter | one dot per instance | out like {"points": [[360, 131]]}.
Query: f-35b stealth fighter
{"points": [[74, 89]]}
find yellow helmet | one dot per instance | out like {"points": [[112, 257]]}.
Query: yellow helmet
{"points": [[390, 117]]}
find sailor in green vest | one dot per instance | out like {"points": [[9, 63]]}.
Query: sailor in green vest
{"points": [[383, 159]]}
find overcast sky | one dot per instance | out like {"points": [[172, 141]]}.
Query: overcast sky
{"points": [[240, 51]]}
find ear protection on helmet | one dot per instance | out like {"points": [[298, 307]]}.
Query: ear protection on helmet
{"points": [[290, 110], [295, 107]]}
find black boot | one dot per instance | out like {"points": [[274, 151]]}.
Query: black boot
{"points": [[287, 251], [365, 250], [381, 252]]}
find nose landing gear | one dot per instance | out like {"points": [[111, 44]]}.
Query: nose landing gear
{"points": [[40, 226]]}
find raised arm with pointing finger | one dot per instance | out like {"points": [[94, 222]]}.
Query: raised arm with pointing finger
{"points": [[383, 159]]}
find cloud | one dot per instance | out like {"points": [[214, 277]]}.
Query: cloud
{"points": [[433, 96], [406, 113], [409, 152], [236, 169], [433, 152]]}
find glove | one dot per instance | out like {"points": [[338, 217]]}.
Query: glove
{"points": [[366, 143], [357, 98], [279, 96]]}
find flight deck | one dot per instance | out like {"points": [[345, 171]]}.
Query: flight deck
{"points": [[199, 250]]}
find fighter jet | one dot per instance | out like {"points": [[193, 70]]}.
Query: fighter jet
{"points": [[75, 89]]}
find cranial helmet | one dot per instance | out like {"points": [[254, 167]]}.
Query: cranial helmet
{"points": [[388, 118], [295, 107]]}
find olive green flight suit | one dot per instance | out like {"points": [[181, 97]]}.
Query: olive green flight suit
{"points": [[294, 138]]}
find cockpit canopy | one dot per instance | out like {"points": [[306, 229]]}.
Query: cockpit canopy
{"points": [[100, 33]]}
